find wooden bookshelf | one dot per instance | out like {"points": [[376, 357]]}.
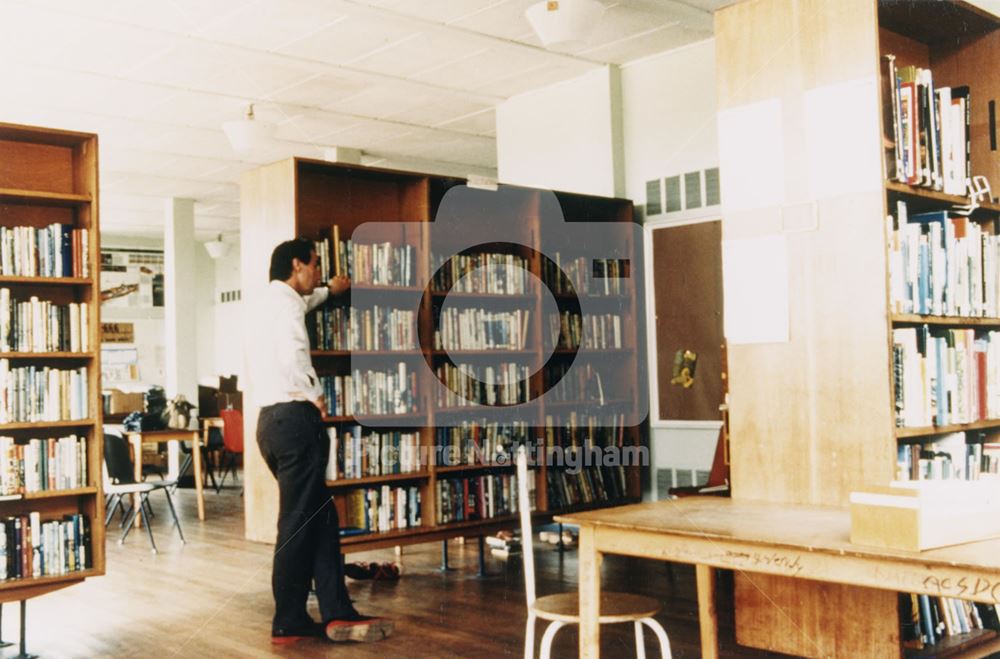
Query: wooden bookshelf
{"points": [[43, 198], [302, 197], [928, 431], [50, 177], [46, 281], [946, 321], [813, 418]]}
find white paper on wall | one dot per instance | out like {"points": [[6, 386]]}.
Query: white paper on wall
{"points": [[755, 278]]}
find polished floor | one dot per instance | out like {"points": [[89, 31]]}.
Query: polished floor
{"points": [[211, 598]]}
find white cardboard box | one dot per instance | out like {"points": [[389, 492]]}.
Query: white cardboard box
{"points": [[919, 515]]}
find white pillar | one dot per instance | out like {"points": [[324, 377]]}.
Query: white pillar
{"points": [[179, 302]]}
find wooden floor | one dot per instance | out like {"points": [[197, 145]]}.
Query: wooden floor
{"points": [[211, 597]]}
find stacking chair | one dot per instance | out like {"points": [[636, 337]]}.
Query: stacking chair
{"points": [[120, 482], [232, 440], [564, 608]]}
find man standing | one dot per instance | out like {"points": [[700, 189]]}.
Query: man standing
{"points": [[295, 448]]}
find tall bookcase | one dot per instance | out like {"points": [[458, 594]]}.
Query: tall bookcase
{"points": [[302, 197], [814, 418], [49, 177]]}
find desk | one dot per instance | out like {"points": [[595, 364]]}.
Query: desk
{"points": [[137, 439], [806, 542]]}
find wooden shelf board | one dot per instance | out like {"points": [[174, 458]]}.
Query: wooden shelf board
{"points": [[449, 469], [485, 296], [592, 296], [46, 355], [396, 534], [958, 321], [590, 351], [41, 425], [941, 430], [472, 523], [365, 353], [387, 478], [934, 22], [46, 281], [937, 197], [977, 643], [477, 409], [389, 289], [498, 352], [374, 417], [15, 584], [55, 494], [37, 197], [586, 403]]}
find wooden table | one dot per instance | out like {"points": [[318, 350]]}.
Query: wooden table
{"points": [[137, 439], [806, 542]]}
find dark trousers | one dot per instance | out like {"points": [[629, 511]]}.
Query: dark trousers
{"points": [[295, 448]]}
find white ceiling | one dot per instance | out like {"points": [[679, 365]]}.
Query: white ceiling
{"points": [[412, 83]]}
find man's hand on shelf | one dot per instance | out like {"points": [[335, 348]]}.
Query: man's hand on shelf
{"points": [[339, 285]]}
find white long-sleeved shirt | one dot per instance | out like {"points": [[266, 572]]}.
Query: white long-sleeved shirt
{"points": [[282, 368]]}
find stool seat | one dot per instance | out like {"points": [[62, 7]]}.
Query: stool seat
{"points": [[615, 607]]}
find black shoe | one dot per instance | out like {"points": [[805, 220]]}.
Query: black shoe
{"points": [[357, 627], [287, 635]]}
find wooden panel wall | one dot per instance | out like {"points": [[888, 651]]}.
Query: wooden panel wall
{"points": [[267, 217], [810, 419]]}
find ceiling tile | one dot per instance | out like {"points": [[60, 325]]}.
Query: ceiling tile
{"points": [[442, 11], [349, 39], [180, 16], [419, 52], [313, 125], [480, 123], [496, 62], [269, 25], [542, 76], [199, 66], [320, 91], [500, 19], [668, 38]]}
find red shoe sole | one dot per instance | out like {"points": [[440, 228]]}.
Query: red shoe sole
{"points": [[288, 640]]}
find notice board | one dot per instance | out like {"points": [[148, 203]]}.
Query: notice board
{"points": [[687, 289]]}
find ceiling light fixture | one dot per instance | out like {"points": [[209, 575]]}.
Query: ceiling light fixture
{"points": [[248, 134], [217, 249], [564, 23]]}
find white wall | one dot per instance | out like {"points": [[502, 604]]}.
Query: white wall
{"points": [[669, 116], [228, 318], [147, 323], [563, 137], [204, 312], [669, 127]]}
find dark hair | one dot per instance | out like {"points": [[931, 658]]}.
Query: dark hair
{"points": [[281, 257]]}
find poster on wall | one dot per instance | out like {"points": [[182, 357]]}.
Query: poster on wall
{"points": [[117, 332], [131, 278]]}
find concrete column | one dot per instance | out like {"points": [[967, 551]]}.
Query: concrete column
{"points": [[179, 305]]}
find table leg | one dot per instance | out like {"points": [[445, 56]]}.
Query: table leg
{"points": [[196, 461], [589, 560], [707, 618], [136, 443]]}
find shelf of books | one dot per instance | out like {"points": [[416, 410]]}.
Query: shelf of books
{"points": [[944, 275], [439, 339], [51, 506]]}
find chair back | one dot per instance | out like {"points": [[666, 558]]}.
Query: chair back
{"points": [[232, 431], [524, 509], [118, 460]]}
